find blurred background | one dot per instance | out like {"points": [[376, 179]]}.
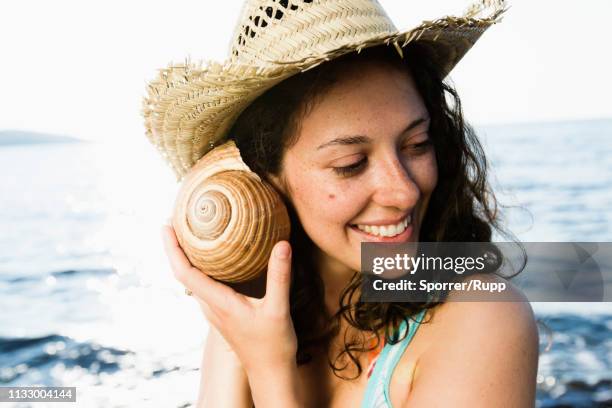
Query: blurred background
{"points": [[86, 296]]}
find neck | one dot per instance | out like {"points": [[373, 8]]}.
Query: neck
{"points": [[336, 276]]}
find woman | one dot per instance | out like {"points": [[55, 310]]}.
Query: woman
{"points": [[363, 140]]}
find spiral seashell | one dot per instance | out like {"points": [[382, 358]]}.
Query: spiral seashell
{"points": [[226, 218]]}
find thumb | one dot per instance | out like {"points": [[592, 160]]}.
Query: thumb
{"points": [[278, 280]]}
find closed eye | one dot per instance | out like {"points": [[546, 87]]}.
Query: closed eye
{"points": [[351, 169], [424, 145], [354, 168]]}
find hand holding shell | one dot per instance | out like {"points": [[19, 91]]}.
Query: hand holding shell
{"points": [[226, 218]]}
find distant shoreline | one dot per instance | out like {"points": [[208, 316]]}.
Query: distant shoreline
{"points": [[21, 137], [551, 122]]}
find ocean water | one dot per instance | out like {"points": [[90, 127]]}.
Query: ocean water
{"points": [[87, 298]]}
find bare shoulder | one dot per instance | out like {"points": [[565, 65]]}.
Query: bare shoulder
{"points": [[501, 322], [485, 353]]}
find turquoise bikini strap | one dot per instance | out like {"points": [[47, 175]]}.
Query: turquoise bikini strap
{"points": [[378, 383], [395, 357]]}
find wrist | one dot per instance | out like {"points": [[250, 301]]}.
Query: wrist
{"points": [[221, 347]]}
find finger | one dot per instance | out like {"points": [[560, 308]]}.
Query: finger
{"points": [[279, 277], [176, 256], [218, 296]]}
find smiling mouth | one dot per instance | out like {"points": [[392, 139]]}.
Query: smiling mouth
{"points": [[399, 232], [385, 230]]}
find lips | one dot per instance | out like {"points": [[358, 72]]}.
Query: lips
{"points": [[386, 230], [386, 221], [403, 237]]}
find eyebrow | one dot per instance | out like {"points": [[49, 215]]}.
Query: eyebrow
{"points": [[361, 139]]}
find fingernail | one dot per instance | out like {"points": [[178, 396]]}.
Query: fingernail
{"points": [[282, 250]]}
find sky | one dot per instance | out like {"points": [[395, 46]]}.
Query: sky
{"points": [[80, 68]]}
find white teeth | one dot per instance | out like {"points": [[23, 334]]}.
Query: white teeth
{"points": [[386, 230]]}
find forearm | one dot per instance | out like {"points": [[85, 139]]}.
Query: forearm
{"points": [[277, 387], [223, 380]]}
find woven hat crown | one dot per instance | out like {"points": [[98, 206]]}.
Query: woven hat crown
{"points": [[191, 107], [289, 31]]}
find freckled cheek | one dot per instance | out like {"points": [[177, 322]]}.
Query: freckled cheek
{"points": [[431, 179], [341, 205], [433, 173], [426, 175], [328, 205], [427, 186]]}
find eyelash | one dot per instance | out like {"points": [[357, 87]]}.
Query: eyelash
{"points": [[355, 167]]}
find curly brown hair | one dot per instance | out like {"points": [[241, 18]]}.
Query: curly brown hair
{"points": [[462, 207]]}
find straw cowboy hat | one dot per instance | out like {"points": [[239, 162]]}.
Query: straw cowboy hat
{"points": [[190, 107]]}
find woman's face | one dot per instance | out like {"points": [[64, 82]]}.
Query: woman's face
{"points": [[362, 161]]}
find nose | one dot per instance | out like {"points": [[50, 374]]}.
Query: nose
{"points": [[394, 185]]}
